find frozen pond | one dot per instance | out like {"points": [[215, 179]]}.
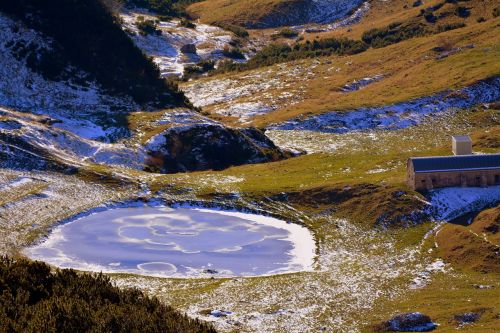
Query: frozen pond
{"points": [[178, 242]]}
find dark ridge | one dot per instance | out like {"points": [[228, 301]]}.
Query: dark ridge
{"points": [[169, 8]]}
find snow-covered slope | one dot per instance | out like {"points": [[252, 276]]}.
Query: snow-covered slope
{"points": [[46, 124], [84, 110], [449, 203], [166, 48], [308, 11], [271, 14], [37, 138]]}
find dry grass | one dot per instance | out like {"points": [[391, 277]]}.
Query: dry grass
{"points": [[238, 12], [487, 223], [467, 250], [410, 68], [383, 13]]}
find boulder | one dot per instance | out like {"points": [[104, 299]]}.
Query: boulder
{"points": [[188, 48], [220, 313], [466, 318], [410, 322]]}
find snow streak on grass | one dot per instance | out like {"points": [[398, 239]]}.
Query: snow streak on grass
{"points": [[257, 93], [434, 131], [28, 210]]}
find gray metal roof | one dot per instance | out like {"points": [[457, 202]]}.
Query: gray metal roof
{"points": [[456, 163], [462, 138]]}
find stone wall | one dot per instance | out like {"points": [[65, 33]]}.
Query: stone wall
{"points": [[473, 178]]}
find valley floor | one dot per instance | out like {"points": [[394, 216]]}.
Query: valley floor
{"points": [[351, 123]]}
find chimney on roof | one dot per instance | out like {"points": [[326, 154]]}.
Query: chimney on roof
{"points": [[461, 145]]}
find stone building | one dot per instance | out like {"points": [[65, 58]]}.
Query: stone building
{"points": [[425, 173]]}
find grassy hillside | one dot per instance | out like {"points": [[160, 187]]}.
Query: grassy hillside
{"points": [[470, 285], [383, 13], [238, 12], [361, 176], [34, 299], [411, 70], [416, 67], [87, 36], [473, 247]]}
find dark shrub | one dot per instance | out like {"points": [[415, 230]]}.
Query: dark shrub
{"points": [[288, 33], [496, 12], [233, 53], [235, 29], [276, 53], [33, 299], [200, 68], [168, 8], [394, 33], [462, 12], [147, 27], [186, 24], [430, 17], [450, 26]]}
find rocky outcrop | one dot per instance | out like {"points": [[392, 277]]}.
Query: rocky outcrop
{"points": [[467, 318], [209, 146], [188, 48]]}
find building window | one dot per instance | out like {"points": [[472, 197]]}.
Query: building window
{"points": [[497, 179]]}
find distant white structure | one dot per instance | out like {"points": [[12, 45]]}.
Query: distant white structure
{"points": [[461, 145]]}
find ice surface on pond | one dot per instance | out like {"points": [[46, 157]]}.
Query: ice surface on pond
{"points": [[178, 242]]}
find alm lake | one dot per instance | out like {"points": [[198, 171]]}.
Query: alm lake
{"points": [[178, 242]]}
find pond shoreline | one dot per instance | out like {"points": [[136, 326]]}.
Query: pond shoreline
{"points": [[300, 250]]}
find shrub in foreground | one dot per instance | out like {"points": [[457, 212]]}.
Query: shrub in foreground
{"points": [[34, 299]]}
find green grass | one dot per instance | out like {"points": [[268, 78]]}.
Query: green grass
{"points": [[447, 295]]}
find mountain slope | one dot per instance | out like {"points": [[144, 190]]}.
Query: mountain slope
{"points": [[86, 35], [418, 67], [82, 87], [270, 13]]}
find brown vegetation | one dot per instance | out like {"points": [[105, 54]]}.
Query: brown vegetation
{"points": [[381, 206], [473, 247]]}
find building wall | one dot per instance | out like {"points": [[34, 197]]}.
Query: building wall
{"points": [[430, 180], [462, 147]]}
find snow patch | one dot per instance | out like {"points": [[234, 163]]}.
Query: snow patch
{"points": [[166, 47], [85, 111], [400, 115], [449, 203]]}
